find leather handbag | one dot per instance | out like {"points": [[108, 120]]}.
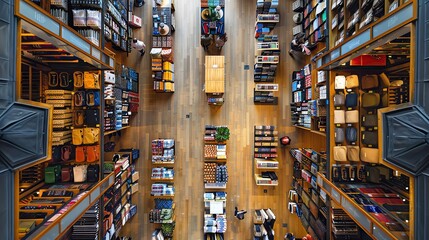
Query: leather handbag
{"points": [[66, 174], [67, 152], [339, 117], [340, 153], [90, 135], [92, 117], [369, 82], [369, 120], [339, 135], [93, 173], [78, 118], [78, 79], [56, 153], [352, 81], [79, 98], [92, 153], [80, 173], [370, 100], [52, 174], [340, 82], [93, 98], [370, 138], [369, 155], [353, 153], [339, 99], [352, 116], [351, 100], [77, 136], [351, 134], [91, 80], [80, 154]]}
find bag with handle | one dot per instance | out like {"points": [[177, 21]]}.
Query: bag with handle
{"points": [[351, 134], [370, 138], [370, 100], [369, 155], [93, 173], [353, 153], [351, 100], [385, 81], [52, 174], [79, 98], [340, 153], [92, 117], [339, 135], [369, 82], [90, 135], [77, 136], [80, 154], [339, 117], [92, 153], [352, 116], [67, 152], [80, 173], [339, 99], [78, 118], [92, 98], [78, 79], [66, 174], [352, 81], [91, 80], [340, 82], [369, 120]]}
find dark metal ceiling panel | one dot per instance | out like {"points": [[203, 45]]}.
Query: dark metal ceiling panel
{"points": [[406, 138]]}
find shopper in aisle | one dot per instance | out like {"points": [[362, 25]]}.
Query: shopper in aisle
{"points": [[239, 214], [206, 41], [139, 46], [220, 41], [299, 44]]}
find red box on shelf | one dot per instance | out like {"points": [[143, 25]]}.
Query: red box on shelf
{"points": [[369, 60]]}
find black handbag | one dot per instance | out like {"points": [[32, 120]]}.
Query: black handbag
{"points": [[369, 120], [351, 134], [93, 173], [370, 138], [92, 117]]}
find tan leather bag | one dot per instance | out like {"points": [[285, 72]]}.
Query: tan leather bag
{"points": [[353, 153], [352, 116], [340, 153], [369, 155], [352, 81]]}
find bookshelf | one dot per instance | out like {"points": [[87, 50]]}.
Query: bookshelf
{"points": [[265, 155]]}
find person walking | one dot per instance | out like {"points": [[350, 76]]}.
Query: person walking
{"points": [[139, 46]]}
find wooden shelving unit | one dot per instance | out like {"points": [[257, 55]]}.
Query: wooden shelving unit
{"points": [[265, 154], [215, 79], [215, 183], [162, 177]]}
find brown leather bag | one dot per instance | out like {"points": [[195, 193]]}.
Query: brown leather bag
{"points": [[369, 82]]}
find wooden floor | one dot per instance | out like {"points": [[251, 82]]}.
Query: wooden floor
{"points": [[165, 116]]}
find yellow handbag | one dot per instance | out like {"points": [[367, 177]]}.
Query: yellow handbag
{"points": [[91, 80], [90, 135], [77, 136]]}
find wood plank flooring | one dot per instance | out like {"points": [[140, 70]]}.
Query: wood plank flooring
{"points": [[184, 114]]}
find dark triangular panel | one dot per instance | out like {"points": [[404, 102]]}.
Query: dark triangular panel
{"points": [[405, 137], [23, 135]]}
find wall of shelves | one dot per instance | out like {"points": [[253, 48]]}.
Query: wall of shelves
{"points": [[263, 224]]}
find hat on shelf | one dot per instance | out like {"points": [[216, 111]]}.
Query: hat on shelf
{"points": [[163, 29]]}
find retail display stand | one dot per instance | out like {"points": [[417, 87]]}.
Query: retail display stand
{"points": [[268, 52], [215, 180], [163, 158], [215, 79], [162, 52], [265, 155]]}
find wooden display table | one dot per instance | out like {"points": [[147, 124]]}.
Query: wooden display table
{"points": [[215, 74]]}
